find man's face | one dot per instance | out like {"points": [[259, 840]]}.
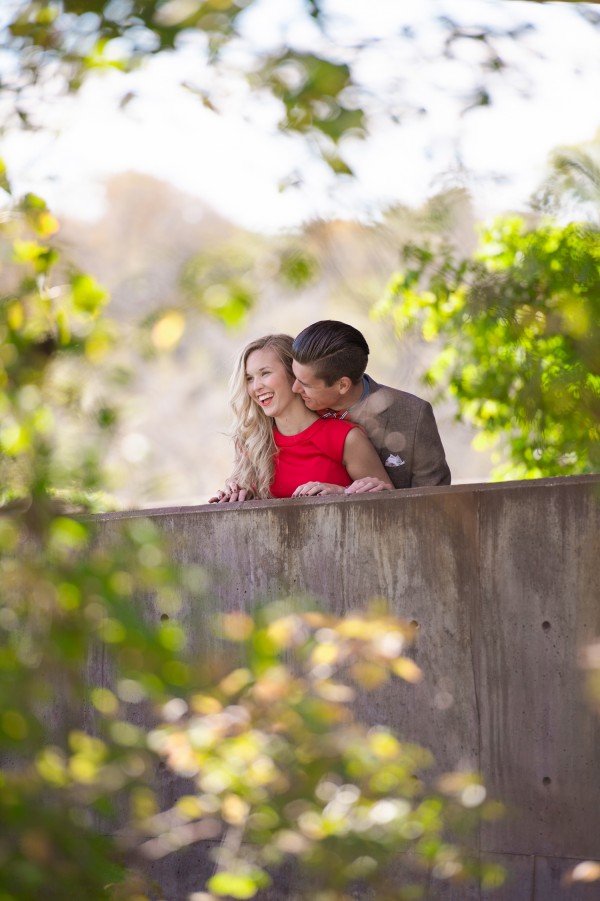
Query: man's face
{"points": [[313, 391]]}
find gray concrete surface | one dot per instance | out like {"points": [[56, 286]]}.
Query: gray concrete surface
{"points": [[503, 581]]}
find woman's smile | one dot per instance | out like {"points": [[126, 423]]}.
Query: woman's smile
{"points": [[265, 398], [267, 381]]}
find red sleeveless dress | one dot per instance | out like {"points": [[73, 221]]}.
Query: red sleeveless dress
{"points": [[314, 455]]}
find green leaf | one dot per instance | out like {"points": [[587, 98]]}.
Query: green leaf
{"points": [[237, 885], [88, 296], [337, 164], [4, 182]]}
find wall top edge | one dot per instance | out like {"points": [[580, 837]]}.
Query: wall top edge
{"points": [[556, 482]]}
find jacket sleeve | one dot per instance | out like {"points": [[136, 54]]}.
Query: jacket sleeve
{"points": [[429, 458]]}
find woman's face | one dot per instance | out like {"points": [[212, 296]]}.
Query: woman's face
{"points": [[268, 382]]}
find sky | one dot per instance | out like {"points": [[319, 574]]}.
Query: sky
{"points": [[236, 161]]}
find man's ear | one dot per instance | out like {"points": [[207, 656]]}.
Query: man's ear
{"points": [[344, 384]]}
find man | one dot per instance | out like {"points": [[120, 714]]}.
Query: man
{"points": [[330, 359]]}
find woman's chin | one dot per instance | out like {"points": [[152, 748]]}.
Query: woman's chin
{"points": [[268, 411]]}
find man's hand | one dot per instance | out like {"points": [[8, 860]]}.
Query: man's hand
{"points": [[232, 493], [317, 489], [368, 484]]}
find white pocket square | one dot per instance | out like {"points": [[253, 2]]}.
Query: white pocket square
{"points": [[394, 460]]}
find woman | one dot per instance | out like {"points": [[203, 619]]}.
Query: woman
{"points": [[283, 449]]}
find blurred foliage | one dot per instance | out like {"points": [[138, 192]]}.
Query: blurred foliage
{"points": [[50, 318], [283, 769], [298, 267], [51, 46], [71, 761], [573, 182], [54, 46], [221, 282], [520, 325], [226, 281], [61, 773]]}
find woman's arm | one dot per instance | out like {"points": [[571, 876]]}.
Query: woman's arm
{"points": [[363, 465]]}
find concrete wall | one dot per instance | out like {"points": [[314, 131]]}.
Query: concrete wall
{"points": [[503, 581]]}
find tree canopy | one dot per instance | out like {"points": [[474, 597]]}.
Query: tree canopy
{"points": [[317, 77], [519, 324]]}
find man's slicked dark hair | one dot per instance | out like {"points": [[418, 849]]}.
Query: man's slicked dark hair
{"points": [[333, 349]]}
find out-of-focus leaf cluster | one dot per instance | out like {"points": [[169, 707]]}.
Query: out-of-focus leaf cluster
{"points": [[520, 327], [51, 315], [71, 758], [51, 46], [283, 769], [226, 282], [79, 37], [56, 45], [262, 725]]}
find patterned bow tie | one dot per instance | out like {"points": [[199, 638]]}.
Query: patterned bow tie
{"points": [[332, 414]]}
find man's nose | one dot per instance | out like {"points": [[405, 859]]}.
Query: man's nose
{"points": [[297, 387]]}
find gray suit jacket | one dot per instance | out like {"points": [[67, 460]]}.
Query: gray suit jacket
{"points": [[403, 429]]}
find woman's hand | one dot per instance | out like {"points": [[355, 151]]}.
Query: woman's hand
{"points": [[317, 489], [232, 493]]}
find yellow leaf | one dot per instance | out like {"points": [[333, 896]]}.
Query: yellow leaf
{"points": [[370, 675], [205, 704], [354, 627], [104, 701], [407, 669], [189, 806], [586, 871], [235, 681], [384, 744], [234, 810], [283, 630], [237, 626], [97, 346], [15, 315], [325, 654], [167, 332], [143, 803], [51, 766], [46, 224]]}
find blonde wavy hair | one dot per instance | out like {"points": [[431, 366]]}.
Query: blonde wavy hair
{"points": [[252, 430]]}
